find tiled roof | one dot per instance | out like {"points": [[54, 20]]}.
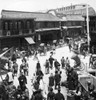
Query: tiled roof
{"points": [[38, 16], [74, 18]]}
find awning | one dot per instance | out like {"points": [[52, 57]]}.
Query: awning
{"points": [[47, 29], [67, 27], [42, 44], [29, 40]]}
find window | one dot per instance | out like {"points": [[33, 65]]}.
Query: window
{"points": [[38, 25], [84, 5], [19, 25], [69, 23], [16, 25], [28, 25], [6, 25], [11, 25], [73, 7]]}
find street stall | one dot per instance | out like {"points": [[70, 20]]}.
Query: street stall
{"points": [[84, 80]]}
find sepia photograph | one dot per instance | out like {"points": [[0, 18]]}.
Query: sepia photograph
{"points": [[47, 50]]}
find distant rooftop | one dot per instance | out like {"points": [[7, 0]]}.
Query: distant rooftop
{"points": [[74, 18], [75, 9], [38, 16]]}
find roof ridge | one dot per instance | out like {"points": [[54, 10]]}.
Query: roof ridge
{"points": [[22, 11]]}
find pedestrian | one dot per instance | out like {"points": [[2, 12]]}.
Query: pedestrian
{"points": [[78, 92], [35, 86], [51, 59], [62, 62], [9, 64], [54, 49], [51, 80], [91, 61], [39, 75], [77, 62], [3, 93], [93, 49], [57, 78], [59, 95], [51, 95], [38, 66], [47, 64], [91, 87], [22, 80], [45, 50], [9, 77], [56, 65], [70, 47], [15, 67], [18, 93], [33, 78], [38, 95], [94, 64], [84, 53], [67, 61], [72, 79], [24, 66], [36, 55], [14, 57], [42, 86]]}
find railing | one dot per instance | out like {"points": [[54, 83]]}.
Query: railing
{"points": [[48, 27], [17, 32]]}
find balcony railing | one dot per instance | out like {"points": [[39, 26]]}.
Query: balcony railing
{"points": [[16, 32], [49, 26]]}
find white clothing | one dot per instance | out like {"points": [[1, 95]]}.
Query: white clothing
{"points": [[42, 85], [10, 75]]}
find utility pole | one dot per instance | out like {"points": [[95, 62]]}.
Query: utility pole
{"points": [[88, 35]]}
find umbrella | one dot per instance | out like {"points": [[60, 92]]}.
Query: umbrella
{"points": [[77, 59], [75, 51], [42, 44], [3, 72], [5, 49], [69, 38], [54, 41], [23, 51]]}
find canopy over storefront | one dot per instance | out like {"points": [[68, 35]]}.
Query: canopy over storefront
{"points": [[29, 40]]}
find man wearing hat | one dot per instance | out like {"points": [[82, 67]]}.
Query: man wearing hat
{"points": [[9, 77], [39, 95], [51, 95], [91, 88], [59, 95], [22, 80]]}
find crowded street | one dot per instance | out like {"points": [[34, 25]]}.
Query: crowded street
{"points": [[47, 50], [58, 54]]}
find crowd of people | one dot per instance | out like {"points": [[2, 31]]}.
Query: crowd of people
{"points": [[38, 86]]}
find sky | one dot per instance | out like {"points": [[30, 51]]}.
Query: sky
{"points": [[40, 5]]}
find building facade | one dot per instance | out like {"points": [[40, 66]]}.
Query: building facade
{"points": [[74, 14], [74, 26], [78, 9], [92, 32], [23, 28]]}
